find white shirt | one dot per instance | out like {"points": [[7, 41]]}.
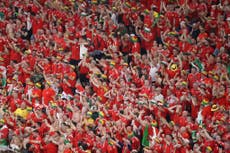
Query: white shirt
{"points": [[28, 23], [199, 118], [83, 51], [114, 18], [153, 71]]}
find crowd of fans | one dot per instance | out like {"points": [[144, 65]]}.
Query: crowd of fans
{"points": [[115, 76]]}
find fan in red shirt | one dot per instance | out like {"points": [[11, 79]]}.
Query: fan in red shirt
{"points": [[136, 45], [4, 130], [75, 53], [147, 37], [48, 94]]}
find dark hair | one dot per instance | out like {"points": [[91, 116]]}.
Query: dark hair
{"points": [[82, 145], [44, 110]]}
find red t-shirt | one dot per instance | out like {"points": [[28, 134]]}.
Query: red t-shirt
{"points": [[4, 133], [136, 47], [50, 148], [192, 78], [135, 143], [15, 55], [36, 25], [194, 111], [47, 68], [172, 73], [150, 36], [75, 51], [206, 112], [48, 95], [60, 41], [168, 148], [201, 36], [83, 69]]}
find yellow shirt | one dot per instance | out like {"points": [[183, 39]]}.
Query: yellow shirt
{"points": [[21, 112]]}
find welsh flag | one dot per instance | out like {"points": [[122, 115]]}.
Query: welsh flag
{"points": [[145, 141], [199, 64]]}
